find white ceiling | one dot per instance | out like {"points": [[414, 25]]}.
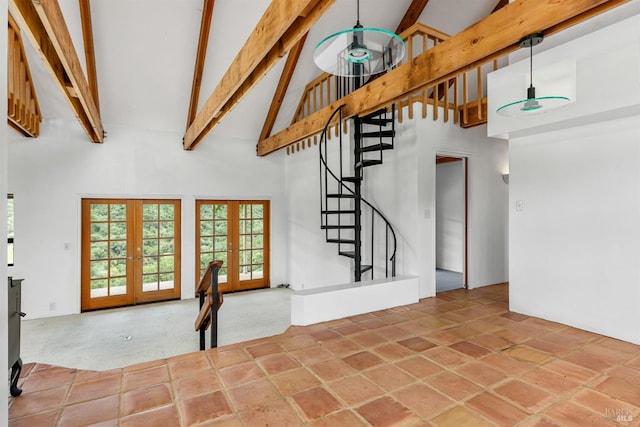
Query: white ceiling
{"points": [[145, 55]]}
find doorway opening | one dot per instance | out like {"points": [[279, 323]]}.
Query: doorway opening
{"points": [[451, 222]]}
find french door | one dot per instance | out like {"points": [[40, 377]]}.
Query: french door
{"points": [[236, 232], [130, 252]]}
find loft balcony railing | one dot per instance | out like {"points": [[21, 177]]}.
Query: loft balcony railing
{"points": [[23, 110], [462, 98]]}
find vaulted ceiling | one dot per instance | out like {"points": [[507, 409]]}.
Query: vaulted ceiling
{"points": [[145, 51]]}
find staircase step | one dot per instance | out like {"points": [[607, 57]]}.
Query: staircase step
{"points": [[379, 134], [349, 254], [376, 147], [375, 114], [343, 241], [365, 268], [367, 163], [337, 227], [351, 178], [376, 121], [341, 196], [339, 212]]}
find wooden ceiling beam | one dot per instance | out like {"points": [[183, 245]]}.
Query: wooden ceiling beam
{"points": [[201, 54], [411, 15], [496, 35], [89, 52], [44, 25], [281, 89], [281, 26], [500, 5]]}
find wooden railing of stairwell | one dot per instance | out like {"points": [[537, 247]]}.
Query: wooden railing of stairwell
{"points": [[210, 301], [23, 112], [458, 96]]}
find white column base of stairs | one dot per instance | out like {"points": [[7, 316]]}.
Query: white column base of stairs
{"points": [[316, 305]]}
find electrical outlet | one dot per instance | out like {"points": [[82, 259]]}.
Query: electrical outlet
{"points": [[52, 306], [519, 205]]}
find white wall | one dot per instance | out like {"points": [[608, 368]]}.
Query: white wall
{"points": [[450, 216], [404, 189], [3, 213], [574, 244], [312, 262], [51, 174]]}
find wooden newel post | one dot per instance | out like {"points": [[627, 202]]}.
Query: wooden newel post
{"points": [[210, 302]]}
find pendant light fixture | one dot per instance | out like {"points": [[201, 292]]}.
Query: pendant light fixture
{"points": [[359, 51], [532, 104]]}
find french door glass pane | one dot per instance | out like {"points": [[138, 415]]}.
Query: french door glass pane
{"points": [[213, 237], [251, 241], [158, 246], [108, 249]]}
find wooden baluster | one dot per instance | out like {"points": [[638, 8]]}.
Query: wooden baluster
{"points": [[314, 91], [465, 98], [425, 44], [445, 85], [17, 56], [27, 104], [424, 102], [10, 74], [455, 100], [410, 107], [23, 93], [436, 96]]}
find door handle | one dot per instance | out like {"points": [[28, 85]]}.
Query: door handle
{"points": [[130, 257]]}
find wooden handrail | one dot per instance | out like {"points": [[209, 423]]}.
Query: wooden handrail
{"points": [[322, 90], [205, 282]]}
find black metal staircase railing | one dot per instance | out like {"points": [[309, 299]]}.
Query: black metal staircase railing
{"points": [[343, 224]]}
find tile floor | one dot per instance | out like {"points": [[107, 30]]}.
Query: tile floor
{"points": [[460, 359]]}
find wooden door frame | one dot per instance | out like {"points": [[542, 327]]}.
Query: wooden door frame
{"points": [[131, 297], [85, 258], [176, 291], [232, 229], [455, 157]]}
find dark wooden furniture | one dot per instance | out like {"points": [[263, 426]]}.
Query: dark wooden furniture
{"points": [[15, 313]]}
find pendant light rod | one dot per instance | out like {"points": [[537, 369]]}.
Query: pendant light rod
{"points": [[531, 65], [532, 104], [357, 12], [530, 41]]}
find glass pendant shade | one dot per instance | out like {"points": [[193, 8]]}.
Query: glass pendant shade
{"points": [[359, 51], [532, 104]]}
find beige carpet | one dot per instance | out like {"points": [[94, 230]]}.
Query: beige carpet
{"points": [[108, 339]]}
